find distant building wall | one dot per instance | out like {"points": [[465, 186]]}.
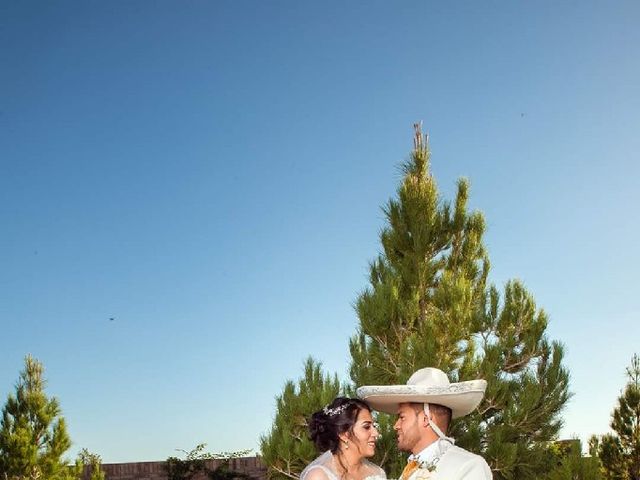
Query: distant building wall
{"points": [[156, 470]]}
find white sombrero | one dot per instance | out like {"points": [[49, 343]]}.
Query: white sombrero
{"points": [[427, 385]]}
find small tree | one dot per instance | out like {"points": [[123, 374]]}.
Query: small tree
{"points": [[91, 463], [198, 462], [33, 435], [185, 469], [287, 449], [570, 464], [619, 452]]}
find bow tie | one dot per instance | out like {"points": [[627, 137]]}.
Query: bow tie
{"points": [[411, 467]]}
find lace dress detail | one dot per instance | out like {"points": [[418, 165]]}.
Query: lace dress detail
{"points": [[325, 464]]}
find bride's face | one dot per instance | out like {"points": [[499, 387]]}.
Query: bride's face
{"points": [[364, 433]]}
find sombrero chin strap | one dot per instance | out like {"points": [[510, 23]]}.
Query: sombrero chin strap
{"points": [[435, 428]]}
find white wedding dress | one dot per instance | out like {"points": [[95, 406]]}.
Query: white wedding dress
{"points": [[325, 464]]}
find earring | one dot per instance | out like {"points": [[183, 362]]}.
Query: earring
{"points": [[346, 444]]}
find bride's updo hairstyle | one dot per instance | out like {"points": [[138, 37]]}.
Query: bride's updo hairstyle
{"points": [[338, 417]]}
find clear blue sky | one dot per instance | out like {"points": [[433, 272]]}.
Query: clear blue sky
{"points": [[210, 175]]}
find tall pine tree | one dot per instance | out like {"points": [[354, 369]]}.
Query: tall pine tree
{"points": [[619, 452], [33, 435], [428, 304]]}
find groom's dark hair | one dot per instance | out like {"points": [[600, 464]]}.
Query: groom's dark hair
{"points": [[441, 414]]}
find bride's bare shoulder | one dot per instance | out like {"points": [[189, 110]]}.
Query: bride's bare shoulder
{"points": [[316, 473], [375, 470]]}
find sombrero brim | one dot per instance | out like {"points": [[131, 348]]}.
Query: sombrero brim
{"points": [[462, 398]]}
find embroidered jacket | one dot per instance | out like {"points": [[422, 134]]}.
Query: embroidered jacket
{"points": [[455, 464]]}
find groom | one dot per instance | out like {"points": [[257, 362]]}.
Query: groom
{"points": [[425, 407]]}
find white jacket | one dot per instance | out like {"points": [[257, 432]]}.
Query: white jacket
{"points": [[458, 464]]}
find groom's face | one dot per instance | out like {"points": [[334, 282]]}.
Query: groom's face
{"points": [[407, 427]]}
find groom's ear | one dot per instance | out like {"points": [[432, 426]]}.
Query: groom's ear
{"points": [[425, 420]]}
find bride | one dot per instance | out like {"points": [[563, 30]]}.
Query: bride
{"points": [[344, 430]]}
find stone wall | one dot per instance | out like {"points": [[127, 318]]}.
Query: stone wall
{"points": [[156, 471]]}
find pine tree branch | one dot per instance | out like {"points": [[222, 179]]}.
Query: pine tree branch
{"points": [[386, 347], [516, 365], [286, 474], [490, 406]]}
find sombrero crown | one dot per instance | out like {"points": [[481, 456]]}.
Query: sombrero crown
{"points": [[427, 385]]}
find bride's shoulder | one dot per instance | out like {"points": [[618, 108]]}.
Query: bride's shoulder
{"points": [[319, 469], [376, 470], [315, 472]]}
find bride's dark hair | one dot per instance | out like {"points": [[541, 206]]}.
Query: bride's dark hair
{"points": [[338, 417]]}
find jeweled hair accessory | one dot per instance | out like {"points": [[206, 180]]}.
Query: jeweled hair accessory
{"points": [[332, 412]]}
